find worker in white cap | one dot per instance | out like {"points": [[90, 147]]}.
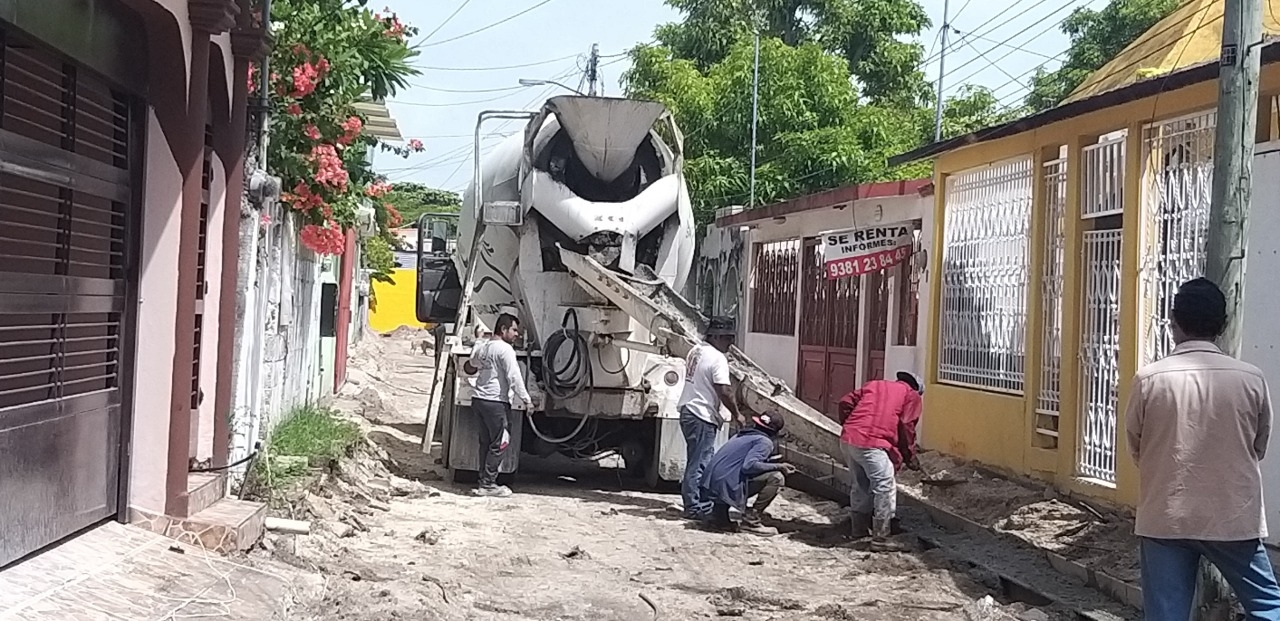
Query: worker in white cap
{"points": [[878, 439]]}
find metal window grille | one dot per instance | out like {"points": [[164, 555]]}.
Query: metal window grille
{"points": [[1178, 165], [1100, 356], [910, 273], [1048, 401], [62, 246], [773, 287], [985, 277], [830, 306], [1102, 180], [878, 310]]}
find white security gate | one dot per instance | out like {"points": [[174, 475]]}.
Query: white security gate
{"points": [[1100, 356], [1049, 402], [985, 269], [1178, 165]]}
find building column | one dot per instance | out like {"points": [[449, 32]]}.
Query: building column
{"points": [[208, 17], [346, 291]]}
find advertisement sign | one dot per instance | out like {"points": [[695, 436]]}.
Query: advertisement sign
{"points": [[864, 250]]}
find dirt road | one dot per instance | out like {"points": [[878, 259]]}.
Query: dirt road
{"points": [[582, 549]]}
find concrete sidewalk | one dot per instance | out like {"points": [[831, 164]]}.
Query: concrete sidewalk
{"points": [[120, 573]]}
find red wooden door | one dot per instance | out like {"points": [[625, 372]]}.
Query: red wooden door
{"points": [[828, 361]]}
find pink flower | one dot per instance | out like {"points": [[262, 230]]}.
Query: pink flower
{"points": [[329, 169], [415, 145], [351, 129], [305, 79], [311, 131], [378, 189], [294, 110], [327, 239]]}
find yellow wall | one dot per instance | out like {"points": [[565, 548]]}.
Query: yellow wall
{"points": [[999, 429], [395, 303]]}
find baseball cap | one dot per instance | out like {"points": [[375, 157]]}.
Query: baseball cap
{"points": [[912, 380]]}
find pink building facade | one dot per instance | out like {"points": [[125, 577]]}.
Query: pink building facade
{"points": [[122, 141]]}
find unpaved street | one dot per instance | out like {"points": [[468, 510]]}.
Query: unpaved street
{"points": [[578, 549]]}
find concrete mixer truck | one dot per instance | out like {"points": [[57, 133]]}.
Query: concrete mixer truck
{"points": [[582, 227]]}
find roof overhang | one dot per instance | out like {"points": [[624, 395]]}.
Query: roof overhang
{"points": [[1133, 92], [378, 120], [839, 197]]}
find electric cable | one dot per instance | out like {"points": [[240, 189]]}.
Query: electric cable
{"points": [[493, 25], [446, 20], [501, 68]]}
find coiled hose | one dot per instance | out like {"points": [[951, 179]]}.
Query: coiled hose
{"points": [[575, 376], [572, 378]]}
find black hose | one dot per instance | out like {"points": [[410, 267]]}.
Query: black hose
{"points": [[575, 376], [256, 447]]}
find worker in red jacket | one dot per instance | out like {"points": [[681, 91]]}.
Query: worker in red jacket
{"points": [[879, 437]]}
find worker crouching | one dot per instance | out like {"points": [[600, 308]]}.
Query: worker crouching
{"points": [[879, 437], [742, 469]]}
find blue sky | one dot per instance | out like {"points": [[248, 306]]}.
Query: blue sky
{"points": [[550, 38]]}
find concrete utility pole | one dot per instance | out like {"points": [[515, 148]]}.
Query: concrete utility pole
{"points": [[1229, 211], [942, 70], [755, 118], [593, 69]]}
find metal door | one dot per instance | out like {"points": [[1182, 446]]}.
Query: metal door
{"points": [[828, 334], [67, 277]]}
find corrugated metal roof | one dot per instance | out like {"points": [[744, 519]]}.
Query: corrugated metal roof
{"points": [[1190, 36]]}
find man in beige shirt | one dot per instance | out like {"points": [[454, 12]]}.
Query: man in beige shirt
{"points": [[1198, 423]]}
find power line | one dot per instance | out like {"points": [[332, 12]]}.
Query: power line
{"points": [[471, 91], [1006, 41], [446, 20], [503, 68], [962, 8], [1065, 5], [450, 104], [964, 35], [493, 25], [933, 57]]}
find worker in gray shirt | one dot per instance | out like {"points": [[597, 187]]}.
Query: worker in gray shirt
{"points": [[493, 362]]}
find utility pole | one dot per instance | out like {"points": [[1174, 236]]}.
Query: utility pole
{"points": [[755, 118], [593, 69], [942, 70], [1229, 211]]}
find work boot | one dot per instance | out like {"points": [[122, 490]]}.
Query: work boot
{"points": [[861, 525], [751, 523], [492, 491], [881, 530]]}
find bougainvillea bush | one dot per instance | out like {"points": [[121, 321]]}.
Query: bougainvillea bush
{"points": [[328, 56]]}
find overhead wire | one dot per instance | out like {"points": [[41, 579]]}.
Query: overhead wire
{"points": [[501, 68], [989, 21], [484, 28], [446, 20], [1065, 5]]}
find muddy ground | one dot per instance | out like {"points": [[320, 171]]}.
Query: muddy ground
{"points": [[1083, 531], [395, 542]]}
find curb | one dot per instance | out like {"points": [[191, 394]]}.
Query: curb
{"points": [[830, 480], [1115, 588]]}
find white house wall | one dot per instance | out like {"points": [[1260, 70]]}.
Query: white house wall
{"points": [[779, 354]]}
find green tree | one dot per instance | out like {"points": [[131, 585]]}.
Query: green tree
{"points": [[412, 200], [1096, 37], [816, 129], [867, 34], [974, 108]]}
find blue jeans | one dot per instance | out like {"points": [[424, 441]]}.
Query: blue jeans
{"points": [[700, 442], [1169, 568]]}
